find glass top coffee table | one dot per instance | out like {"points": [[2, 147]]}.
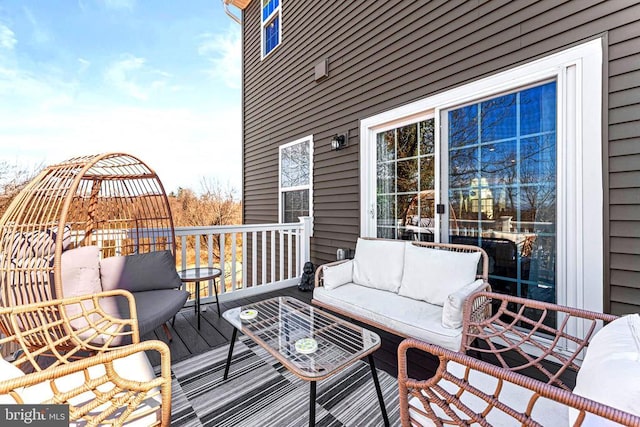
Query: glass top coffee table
{"points": [[309, 342]]}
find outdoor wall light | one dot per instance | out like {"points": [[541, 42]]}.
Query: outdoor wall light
{"points": [[339, 141]]}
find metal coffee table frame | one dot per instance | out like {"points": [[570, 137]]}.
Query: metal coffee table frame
{"points": [[281, 321]]}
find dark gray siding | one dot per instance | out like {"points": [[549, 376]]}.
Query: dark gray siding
{"points": [[383, 54], [624, 164]]}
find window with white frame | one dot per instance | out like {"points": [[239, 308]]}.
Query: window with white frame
{"points": [[295, 173], [271, 21]]}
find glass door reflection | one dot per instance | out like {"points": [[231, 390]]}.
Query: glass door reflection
{"points": [[500, 181]]}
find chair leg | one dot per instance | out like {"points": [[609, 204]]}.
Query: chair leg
{"points": [[167, 331]]}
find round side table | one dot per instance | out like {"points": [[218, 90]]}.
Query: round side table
{"points": [[196, 275]]}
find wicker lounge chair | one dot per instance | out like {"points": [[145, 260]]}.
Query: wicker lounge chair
{"points": [[113, 203], [541, 340], [114, 386]]}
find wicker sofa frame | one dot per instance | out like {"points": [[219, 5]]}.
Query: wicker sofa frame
{"points": [[478, 311], [42, 328], [506, 351]]}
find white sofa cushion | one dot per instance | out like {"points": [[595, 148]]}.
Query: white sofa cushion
{"points": [[407, 316], [337, 275], [453, 305], [432, 274], [610, 372], [378, 264], [546, 412], [9, 371]]}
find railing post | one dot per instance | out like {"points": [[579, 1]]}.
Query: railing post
{"points": [[305, 241]]}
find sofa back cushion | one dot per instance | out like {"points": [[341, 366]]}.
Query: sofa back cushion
{"points": [[140, 272], [432, 274], [610, 372], [378, 264]]}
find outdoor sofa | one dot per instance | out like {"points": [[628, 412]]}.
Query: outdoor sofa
{"points": [[526, 358], [411, 289]]}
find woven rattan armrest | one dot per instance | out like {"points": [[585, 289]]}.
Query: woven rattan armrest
{"points": [[544, 335], [429, 392], [59, 331], [121, 396]]}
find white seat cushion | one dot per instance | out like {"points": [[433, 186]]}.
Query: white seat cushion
{"points": [[134, 367], [8, 372], [432, 274], [610, 372], [547, 412], [408, 316], [378, 264]]}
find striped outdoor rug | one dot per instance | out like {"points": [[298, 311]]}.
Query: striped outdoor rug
{"points": [[261, 392]]}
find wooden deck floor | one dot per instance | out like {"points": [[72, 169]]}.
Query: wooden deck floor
{"points": [[215, 331]]}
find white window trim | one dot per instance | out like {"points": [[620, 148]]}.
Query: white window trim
{"points": [[578, 71], [278, 11], [297, 187]]}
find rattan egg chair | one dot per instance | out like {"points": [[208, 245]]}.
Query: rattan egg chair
{"points": [[112, 201]]}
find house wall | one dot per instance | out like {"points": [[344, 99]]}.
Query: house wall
{"points": [[383, 54]]}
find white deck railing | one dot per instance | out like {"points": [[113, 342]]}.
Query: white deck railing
{"points": [[253, 258]]}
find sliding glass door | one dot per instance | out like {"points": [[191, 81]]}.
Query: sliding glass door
{"points": [[496, 186], [405, 182], [499, 185], [511, 162]]}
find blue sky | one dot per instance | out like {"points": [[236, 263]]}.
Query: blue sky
{"points": [[158, 79]]}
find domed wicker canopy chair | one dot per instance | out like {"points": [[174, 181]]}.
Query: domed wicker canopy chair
{"points": [[92, 224]]}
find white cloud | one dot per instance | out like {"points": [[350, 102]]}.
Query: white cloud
{"points": [[224, 53], [33, 91], [53, 114], [120, 4], [84, 65], [131, 76], [182, 146], [7, 38], [39, 35]]}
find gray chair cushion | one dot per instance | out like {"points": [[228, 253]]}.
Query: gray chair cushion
{"points": [[156, 307], [140, 272]]}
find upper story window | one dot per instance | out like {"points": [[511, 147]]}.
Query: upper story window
{"points": [[271, 25], [296, 180]]}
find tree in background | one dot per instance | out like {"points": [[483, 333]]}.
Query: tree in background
{"points": [[13, 178], [215, 205]]}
